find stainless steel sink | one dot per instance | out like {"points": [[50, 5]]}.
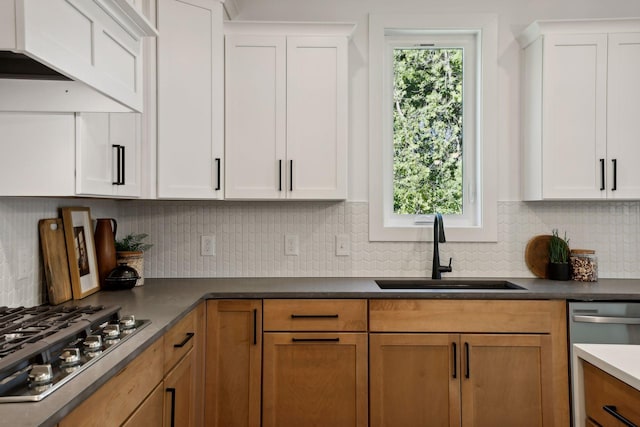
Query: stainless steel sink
{"points": [[445, 284]]}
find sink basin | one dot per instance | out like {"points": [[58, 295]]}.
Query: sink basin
{"points": [[448, 284]]}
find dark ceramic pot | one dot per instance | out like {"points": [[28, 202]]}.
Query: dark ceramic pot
{"points": [[558, 271], [121, 277]]}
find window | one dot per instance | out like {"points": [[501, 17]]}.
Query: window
{"points": [[432, 126]]}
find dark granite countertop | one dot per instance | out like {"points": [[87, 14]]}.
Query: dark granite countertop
{"points": [[165, 301]]}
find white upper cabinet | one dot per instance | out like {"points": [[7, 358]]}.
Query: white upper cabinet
{"points": [[108, 154], [190, 100], [97, 44], [286, 110], [580, 108]]}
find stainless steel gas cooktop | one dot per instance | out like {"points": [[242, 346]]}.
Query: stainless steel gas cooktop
{"points": [[43, 347]]}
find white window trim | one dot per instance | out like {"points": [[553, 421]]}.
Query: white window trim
{"points": [[486, 26]]}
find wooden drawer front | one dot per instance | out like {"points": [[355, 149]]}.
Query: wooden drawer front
{"points": [[465, 316], [116, 400], [179, 340], [315, 315], [602, 389]]}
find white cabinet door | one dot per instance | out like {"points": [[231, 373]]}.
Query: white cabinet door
{"points": [[317, 117], [190, 99], [108, 154], [125, 132], [623, 112], [574, 116], [255, 114], [286, 114]]}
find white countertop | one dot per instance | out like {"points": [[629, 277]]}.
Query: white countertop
{"points": [[619, 360]]}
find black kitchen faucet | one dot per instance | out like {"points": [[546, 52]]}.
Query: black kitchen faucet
{"points": [[438, 236]]}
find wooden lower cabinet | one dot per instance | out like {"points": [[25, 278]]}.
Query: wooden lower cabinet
{"points": [[315, 379], [446, 379], [179, 409], [468, 363], [233, 363], [603, 390], [414, 379], [505, 380]]}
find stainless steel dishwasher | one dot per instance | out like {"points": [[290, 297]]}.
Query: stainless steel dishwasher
{"points": [[602, 323]]}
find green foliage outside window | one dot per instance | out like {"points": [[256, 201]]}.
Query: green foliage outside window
{"points": [[427, 131]]}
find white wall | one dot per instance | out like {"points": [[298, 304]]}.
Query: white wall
{"points": [[513, 15]]}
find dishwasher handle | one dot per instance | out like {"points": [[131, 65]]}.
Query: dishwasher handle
{"points": [[582, 318]]}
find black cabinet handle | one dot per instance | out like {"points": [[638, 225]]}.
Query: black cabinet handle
{"points": [[218, 173], [173, 404], [613, 411], [185, 341], [466, 350], [615, 174], [601, 174], [455, 359], [123, 148], [314, 316], [290, 175], [279, 175], [118, 163], [255, 326], [315, 339]]}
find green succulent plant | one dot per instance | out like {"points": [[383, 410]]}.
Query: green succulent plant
{"points": [[133, 243], [558, 248]]}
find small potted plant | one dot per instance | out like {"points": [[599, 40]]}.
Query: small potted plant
{"points": [[130, 251], [559, 268]]}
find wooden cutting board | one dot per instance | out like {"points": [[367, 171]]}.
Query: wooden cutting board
{"points": [[536, 255], [56, 264]]}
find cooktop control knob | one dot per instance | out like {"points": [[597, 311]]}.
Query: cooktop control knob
{"points": [[93, 342], [128, 321], [41, 374], [111, 331], [70, 356]]}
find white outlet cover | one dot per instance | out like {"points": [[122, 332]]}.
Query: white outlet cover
{"points": [[208, 245], [343, 245], [291, 245]]}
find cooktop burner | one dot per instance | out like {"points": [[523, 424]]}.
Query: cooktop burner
{"points": [[43, 347]]}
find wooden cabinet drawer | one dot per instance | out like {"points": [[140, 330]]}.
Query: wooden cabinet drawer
{"points": [[117, 399], [179, 340], [602, 389], [465, 316], [315, 315]]}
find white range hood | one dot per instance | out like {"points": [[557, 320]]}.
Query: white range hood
{"points": [[71, 55]]}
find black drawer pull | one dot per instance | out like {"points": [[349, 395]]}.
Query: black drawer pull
{"points": [[467, 374], [185, 341], [314, 316], [255, 326], [613, 411], [601, 174], [615, 174], [455, 360], [315, 339], [173, 405]]}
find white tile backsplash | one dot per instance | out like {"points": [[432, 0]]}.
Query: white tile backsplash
{"points": [[250, 240]]}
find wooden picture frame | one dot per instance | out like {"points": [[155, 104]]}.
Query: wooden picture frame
{"points": [[81, 251]]}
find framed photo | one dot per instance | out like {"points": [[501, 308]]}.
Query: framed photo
{"points": [[81, 251]]}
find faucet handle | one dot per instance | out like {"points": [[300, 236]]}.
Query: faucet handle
{"points": [[446, 268]]}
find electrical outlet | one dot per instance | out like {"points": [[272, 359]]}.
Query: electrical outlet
{"points": [[291, 245], [208, 245], [343, 245]]}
